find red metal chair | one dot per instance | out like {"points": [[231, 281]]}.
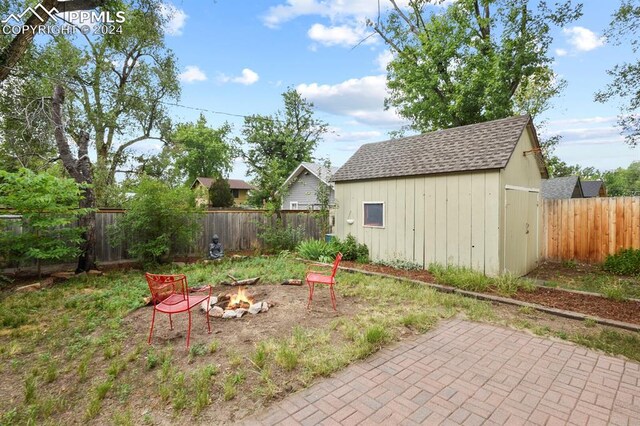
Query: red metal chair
{"points": [[317, 277], [170, 295]]}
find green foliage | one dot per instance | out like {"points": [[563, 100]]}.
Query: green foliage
{"points": [[220, 194], [352, 250], [278, 144], [625, 262], [203, 151], [323, 196], [318, 249], [48, 207], [626, 76], [159, 221], [322, 251], [463, 278], [407, 265], [623, 182], [460, 66], [275, 236]]}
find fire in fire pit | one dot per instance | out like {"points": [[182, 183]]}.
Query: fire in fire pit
{"points": [[235, 305], [239, 300]]}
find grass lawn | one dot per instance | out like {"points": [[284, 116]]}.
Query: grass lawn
{"points": [[77, 352], [585, 277]]}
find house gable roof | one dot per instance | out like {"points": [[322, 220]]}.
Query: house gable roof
{"points": [[591, 188], [561, 188], [233, 183], [481, 146], [318, 170]]}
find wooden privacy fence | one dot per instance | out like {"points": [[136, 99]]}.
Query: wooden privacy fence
{"points": [[589, 229], [237, 229]]}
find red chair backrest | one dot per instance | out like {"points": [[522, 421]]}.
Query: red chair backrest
{"points": [[335, 264], [163, 286]]}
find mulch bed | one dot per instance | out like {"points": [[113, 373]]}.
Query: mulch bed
{"points": [[625, 311]]}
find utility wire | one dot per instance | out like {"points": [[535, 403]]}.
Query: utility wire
{"points": [[140, 98]]}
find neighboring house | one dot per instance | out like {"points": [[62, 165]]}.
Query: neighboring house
{"points": [[302, 185], [562, 188], [466, 196], [239, 188], [593, 188]]}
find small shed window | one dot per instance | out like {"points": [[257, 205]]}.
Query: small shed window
{"points": [[374, 214], [236, 193], [293, 205]]}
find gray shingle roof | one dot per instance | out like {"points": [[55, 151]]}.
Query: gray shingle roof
{"points": [[320, 170], [561, 188], [479, 146], [591, 188]]}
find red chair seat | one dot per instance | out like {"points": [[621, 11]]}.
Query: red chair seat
{"points": [[177, 303], [321, 279]]}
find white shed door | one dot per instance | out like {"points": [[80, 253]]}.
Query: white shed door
{"points": [[521, 230]]}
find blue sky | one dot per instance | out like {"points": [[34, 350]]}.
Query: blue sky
{"points": [[238, 57]]}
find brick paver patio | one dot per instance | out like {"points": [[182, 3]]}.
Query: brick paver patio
{"points": [[468, 373]]}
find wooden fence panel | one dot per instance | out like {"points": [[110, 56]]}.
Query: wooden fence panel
{"points": [[238, 230], [590, 229]]}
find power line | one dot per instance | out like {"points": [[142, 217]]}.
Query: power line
{"points": [[114, 93]]}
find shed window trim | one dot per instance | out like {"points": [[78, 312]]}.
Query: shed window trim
{"points": [[364, 214], [293, 205]]}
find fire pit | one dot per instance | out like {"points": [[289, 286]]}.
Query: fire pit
{"points": [[236, 304]]}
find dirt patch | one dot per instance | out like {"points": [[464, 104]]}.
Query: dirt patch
{"points": [[236, 338], [563, 271], [625, 311], [420, 275]]}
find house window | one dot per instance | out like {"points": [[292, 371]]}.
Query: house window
{"points": [[374, 214], [235, 192], [293, 205]]}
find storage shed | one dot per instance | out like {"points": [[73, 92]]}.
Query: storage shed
{"points": [[466, 196]]}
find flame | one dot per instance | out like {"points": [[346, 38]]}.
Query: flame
{"points": [[238, 298]]}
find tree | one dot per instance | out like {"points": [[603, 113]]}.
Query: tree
{"points": [[117, 87], [278, 143], [220, 193], [159, 222], [477, 60], [48, 207], [80, 169], [203, 151], [623, 182], [16, 48], [626, 76], [323, 196]]}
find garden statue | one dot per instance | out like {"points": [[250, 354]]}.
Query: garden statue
{"points": [[215, 248]]}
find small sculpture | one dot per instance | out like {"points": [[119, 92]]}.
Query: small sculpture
{"points": [[215, 248]]}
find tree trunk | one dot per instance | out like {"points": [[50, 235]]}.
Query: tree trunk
{"points": [[81, 171]]}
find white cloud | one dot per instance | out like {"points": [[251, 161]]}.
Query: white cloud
{"points": [[343, 35], [561, 52], [583, 39], [336, 134], [359, 98], [247, 77], [383, 60], [176, 19], [335, 10], [192, 73]]}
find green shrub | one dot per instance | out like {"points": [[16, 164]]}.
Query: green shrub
{"points": [[220, 194], [625, 262], [160, 222], [318, 250], [276, 237], [47, 208], [407, 265], [352, 250]]}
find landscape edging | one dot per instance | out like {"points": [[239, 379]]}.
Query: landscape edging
{"points": [[504, 300]]}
